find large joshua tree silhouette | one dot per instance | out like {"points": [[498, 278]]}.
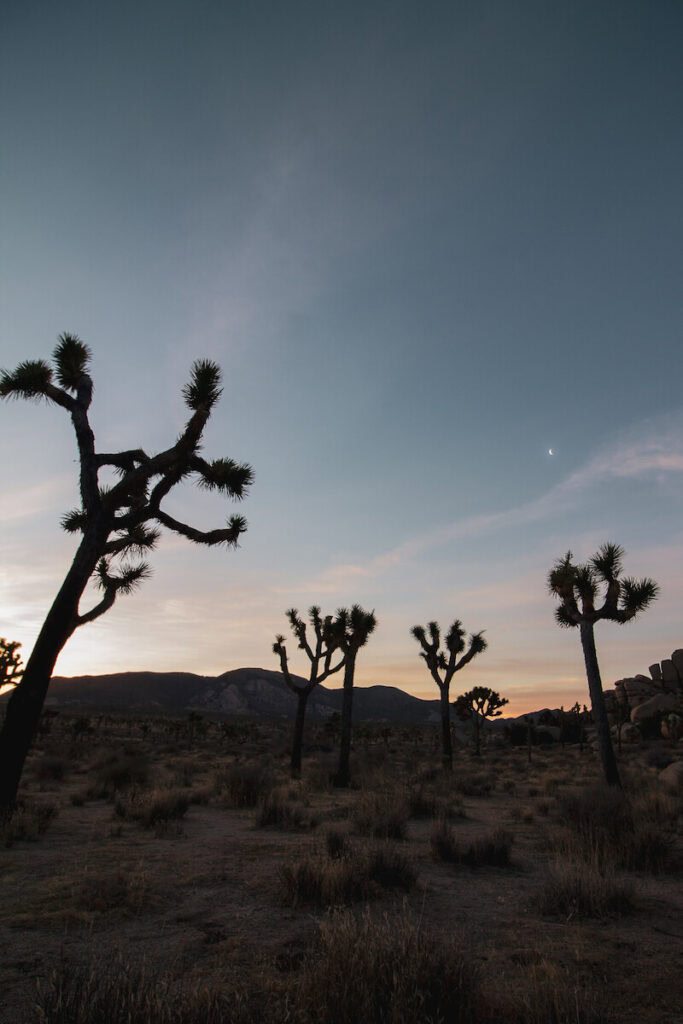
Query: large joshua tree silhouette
{"points": [[577, 588], [443, 665], [115, 523], [352, 629], [319, 650]]}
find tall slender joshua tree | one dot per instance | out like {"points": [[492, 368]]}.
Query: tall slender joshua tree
{"points": [[115, 522], [443, 665], [319, 652], [577, 587], [352, 628]]}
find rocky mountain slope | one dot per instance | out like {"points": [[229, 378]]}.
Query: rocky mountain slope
{"points": [[245, 691]]}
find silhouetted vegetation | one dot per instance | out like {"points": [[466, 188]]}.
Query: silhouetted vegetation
{"points": [[115, 523], [577, 587], [442, 667]]}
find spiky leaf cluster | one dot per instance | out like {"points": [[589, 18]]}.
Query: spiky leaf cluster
{"points": [[204, 388], [72, 359], [444, 663], [578, 588]]}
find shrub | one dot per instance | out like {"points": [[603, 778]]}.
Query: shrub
{"points": [[316, 877], [119, 772], [604, 826], [244, 785], [387, 971], [29, 821], [574, 889], [154, 810], [122, 993], [492, 850], [382, 815], [277, 811]]}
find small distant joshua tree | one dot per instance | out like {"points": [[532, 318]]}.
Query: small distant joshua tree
{"points": [[479, 703], [115, 522], [10, 662], [352, 630], [320, 650], [577, 587], [443, 665]]}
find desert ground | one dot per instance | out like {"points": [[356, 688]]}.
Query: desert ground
{"points": [[168, 869]]}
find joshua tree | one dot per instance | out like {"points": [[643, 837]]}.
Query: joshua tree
{"points": [[352, 629], [577, 587], [114, 522], [443, 665], [10, 662], [479, 703], [319, 652]]}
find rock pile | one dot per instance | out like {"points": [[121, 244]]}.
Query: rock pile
{"points": [[644, 697]]}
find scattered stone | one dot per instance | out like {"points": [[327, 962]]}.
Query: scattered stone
{"points": [[656, 671]]}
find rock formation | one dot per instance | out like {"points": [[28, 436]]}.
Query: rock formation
{"points": [[644, 697]]}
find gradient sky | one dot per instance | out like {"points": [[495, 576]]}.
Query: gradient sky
{"points": [[426, 243]]}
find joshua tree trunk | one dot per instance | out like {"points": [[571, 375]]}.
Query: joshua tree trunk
{"points": [[609, 762], [26, 703], [343, 776], [298, 741], [477, 744], [446, 741]]}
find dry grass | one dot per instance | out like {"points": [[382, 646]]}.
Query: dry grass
{"points": [[491, 850], [344, 874]]}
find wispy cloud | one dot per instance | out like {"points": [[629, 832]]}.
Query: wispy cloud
{"points": [[659, 454]]}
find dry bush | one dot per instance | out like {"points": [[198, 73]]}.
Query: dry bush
{"points": [[120, 889], [278, 810], [30, 820], [124, 993], [604, 826], [119, 772], [545, 993], [386, 971], [382, 815], [492, 850], [425, 804], [576, 889], [244, 785], [336, 843], [330, 879], [474, 784], [156, 809]]}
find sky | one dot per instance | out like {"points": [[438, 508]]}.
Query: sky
{"points": [[427, 243]]}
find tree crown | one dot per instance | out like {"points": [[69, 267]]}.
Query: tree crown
{"points": [[578, 588]]}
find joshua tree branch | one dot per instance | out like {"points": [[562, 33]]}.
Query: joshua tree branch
{"points": [[99, 609]]}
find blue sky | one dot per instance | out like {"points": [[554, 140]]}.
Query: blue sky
{"points": [[426, 243]]}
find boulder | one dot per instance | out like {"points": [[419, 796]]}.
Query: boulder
{"points": [[677, 658], [661, 702], [672, 776], [638, 690], [669, 675], [656, 671]]}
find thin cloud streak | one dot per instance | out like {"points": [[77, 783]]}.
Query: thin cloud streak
{"points": [[656, 455]]}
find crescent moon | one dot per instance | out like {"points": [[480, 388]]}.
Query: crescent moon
{"points": [[550, 451]]}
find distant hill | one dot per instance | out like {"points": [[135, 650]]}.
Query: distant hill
{"points": [[254, 692]]}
